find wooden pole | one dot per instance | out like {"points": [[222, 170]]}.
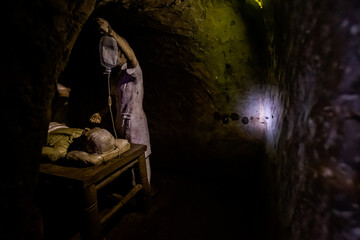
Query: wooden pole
{"points": [[91, 228], [141, 178], [122, 202]]}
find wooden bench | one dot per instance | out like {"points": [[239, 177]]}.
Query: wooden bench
{"points": [[89, 180]]}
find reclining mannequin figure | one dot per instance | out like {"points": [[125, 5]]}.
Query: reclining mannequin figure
{"points": [[82, 147]]}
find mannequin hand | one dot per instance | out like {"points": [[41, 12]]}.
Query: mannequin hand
{"points": [[103, 25], [62, 90], [95, 118]]}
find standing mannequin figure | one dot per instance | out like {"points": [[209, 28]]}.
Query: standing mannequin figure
{"points": [[127, 92]]}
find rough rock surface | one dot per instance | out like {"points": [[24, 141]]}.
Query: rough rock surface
{"points": [[288, 70], [313, 88]]}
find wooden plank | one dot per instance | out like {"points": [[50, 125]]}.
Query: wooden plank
{"points": [[122, 202], [90, 175], [115, 175]]}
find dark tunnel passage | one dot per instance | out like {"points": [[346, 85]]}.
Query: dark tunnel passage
{"points": [[216, 165], [180, 105], [252, 108]]}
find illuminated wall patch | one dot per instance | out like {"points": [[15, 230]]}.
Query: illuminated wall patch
{"points": [[259, 2]]}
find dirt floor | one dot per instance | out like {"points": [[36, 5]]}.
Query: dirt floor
{"points": [[194, 209], [185, 206]]}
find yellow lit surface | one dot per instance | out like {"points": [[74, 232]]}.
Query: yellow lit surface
{"points": [[259, 2]]}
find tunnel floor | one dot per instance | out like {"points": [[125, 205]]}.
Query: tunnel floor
{"points": [[188, 208], [195, 207]]}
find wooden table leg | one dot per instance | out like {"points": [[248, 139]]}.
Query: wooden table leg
{"points": [[91, 227], [141, 178]]}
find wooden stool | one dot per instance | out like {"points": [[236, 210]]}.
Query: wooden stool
{"points": [[91, 179]]}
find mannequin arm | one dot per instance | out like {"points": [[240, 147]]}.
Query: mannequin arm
{"points": [[125, 47]]}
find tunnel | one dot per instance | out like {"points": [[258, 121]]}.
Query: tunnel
{"points": [[252, 109]]}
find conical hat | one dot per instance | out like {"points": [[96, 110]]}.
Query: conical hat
{"points": [[99, 140]]}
